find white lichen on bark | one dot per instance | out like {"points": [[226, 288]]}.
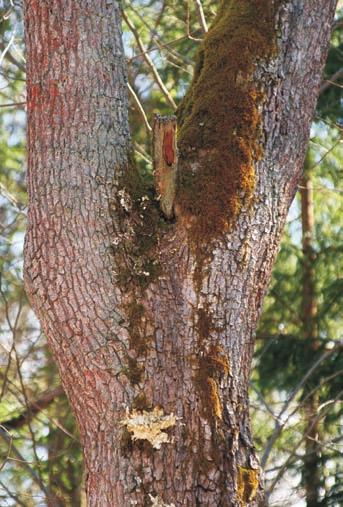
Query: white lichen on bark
{"points": [[149, 426], [158, 502]]}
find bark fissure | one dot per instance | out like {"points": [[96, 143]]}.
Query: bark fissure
{"points": [[142, 314]]}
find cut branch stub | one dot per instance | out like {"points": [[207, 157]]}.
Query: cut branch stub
{"points": [[165, 162]]}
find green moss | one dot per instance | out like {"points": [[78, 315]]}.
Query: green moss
{"points": [[247, 485], [220, 121]]}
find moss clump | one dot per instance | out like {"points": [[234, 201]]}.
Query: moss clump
{"points": [[135, 312], [138, 262], [212, 391], [220, 120], [125, 443], [217, 361], [204, 324], [133, 371], [212, 365], [142, 224], [141, 402], [247, 485]]}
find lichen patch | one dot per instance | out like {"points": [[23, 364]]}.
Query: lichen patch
{"points": [[151, 426], [158, 502]]}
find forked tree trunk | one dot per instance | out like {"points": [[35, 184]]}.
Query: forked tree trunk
{"points": [[152, 320]]}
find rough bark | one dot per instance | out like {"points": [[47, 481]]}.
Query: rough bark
{"points": [[142, 316]]}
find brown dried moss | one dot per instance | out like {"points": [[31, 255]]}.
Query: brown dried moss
{"points": [[247, 487], [133, 371], [142, 224], [212, 365], [212, 391], [220, 121], [141, 402], [135, 313]]}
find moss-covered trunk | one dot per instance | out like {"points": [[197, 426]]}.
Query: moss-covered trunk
{"points": [[152, 321]]}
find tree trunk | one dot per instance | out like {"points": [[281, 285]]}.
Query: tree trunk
{"points": [[152, 320], [311, 468]]}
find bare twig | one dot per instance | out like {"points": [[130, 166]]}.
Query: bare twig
{"points": [[166, 45], [10, 440], [281, 420], [13, 104], [330, 150], [10, 197], [188, 23], [149, 62], [142, 153], [263, 401], [139, 106], [12, 495], [201, 16], [332, 81], [24, 393], [296, 447], [12, 59], [23, 463], [158, 41], [33, 408], [6, 49]]}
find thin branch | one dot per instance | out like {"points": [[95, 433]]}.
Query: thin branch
{"points": [[27, 404], [149, 62], [201, 15], [159, 42], [296, 447], [166, 45], [157, 22], [142, 153], [140, 107], [18, 206], [6, 49], [23, 463], [261, 398], [188, 22], [6, 372], [332, 81], [323, 189], [12, 59], [9, 449], [12, 495], [325, 155], [13, 104], [33, 408], [282, 421]]}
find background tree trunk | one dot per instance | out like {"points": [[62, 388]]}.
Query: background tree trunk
{"points": [[152, 321], [311, 470]]}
